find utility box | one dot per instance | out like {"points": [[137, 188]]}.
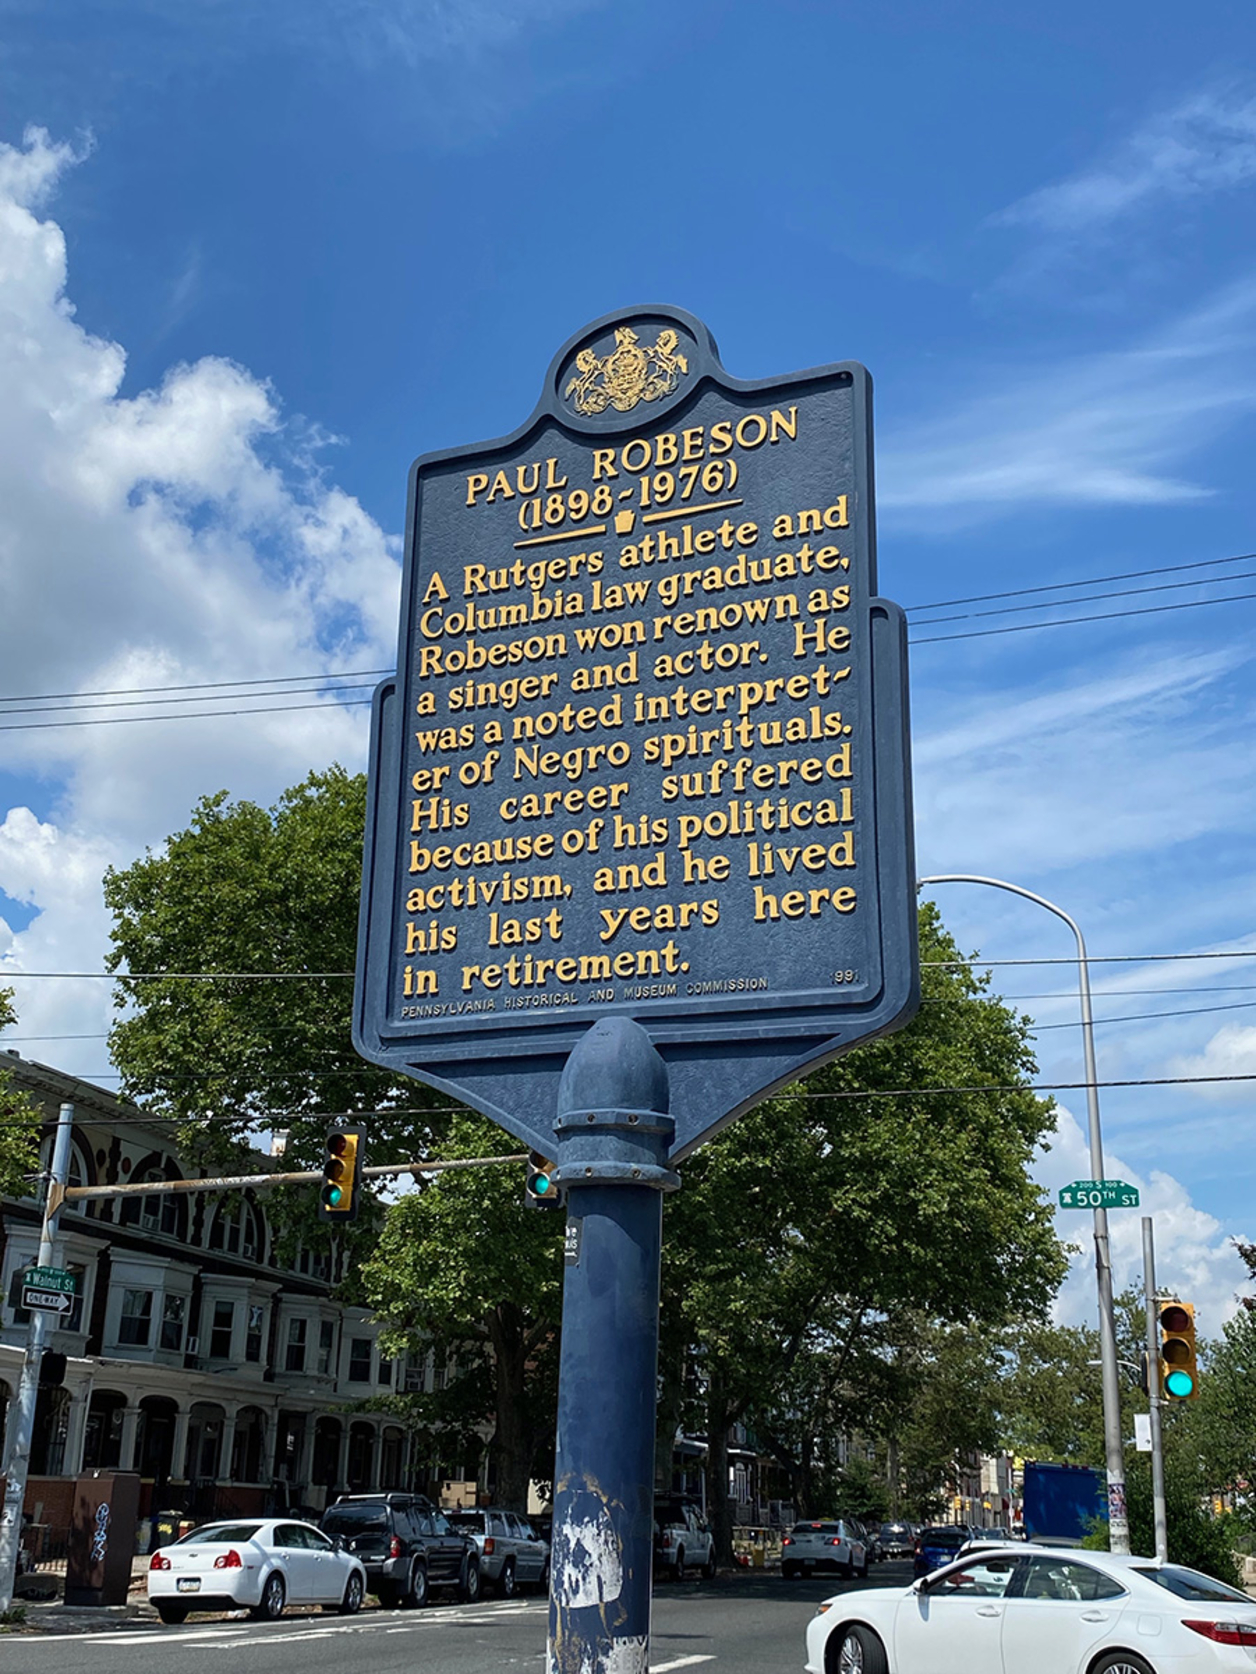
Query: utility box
{"points": [[102, 1538]]}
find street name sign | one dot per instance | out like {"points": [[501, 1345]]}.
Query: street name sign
{"points": [[645, 755], [1099, 1194], [49, 1289]]}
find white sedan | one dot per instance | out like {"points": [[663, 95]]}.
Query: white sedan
{"points": [[1039, 1610], [263, 1564]]}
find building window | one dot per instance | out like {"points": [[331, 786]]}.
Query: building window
{"points": [[172, 1321], [415, 1378], [253, 1335], [295, 1359], [326, 1343], [385, 1374], [225, 1233], [137, 1318], [221, 1330], [360, 1360]]}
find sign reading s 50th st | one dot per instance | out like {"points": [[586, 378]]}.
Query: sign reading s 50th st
{"points": [[646, 750]]}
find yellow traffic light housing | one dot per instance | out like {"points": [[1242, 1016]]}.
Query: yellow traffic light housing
{"points": [[344, 1152], [1179, 1372]]}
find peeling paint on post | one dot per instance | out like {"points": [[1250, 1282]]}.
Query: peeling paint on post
{"points": [[613, 1134]]}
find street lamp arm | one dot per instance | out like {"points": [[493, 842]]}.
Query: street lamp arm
{"points": [[1014, 889]]}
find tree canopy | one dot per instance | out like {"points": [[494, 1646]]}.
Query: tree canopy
{"points": [[19, 1122]]}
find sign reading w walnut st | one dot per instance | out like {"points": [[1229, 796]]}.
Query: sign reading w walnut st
{"points": [[646, 751]]}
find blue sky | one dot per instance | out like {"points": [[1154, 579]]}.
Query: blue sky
{"points": [[255, 258]]}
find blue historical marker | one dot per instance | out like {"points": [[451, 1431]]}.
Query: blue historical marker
{"points": [[639, 834]]}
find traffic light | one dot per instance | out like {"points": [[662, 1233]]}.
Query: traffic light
{"points": [[541, 1190], [1179, 1375], [343, 1157]]}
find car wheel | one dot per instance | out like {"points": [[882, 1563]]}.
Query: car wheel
{"points": [[172, 1613], [847, 1569], [351, 1603], [470, 1589], [863, 1573], [789, 1571], [1121, 1662], [678, 1568], [506, 1581], [416, 1589], [274, 1597], [859, 1651], [709, 1567]]}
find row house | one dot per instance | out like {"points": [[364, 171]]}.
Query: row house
{"points": [[233, 1381]]}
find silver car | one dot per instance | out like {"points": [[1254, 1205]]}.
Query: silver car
{"points": [[512, 1555]]}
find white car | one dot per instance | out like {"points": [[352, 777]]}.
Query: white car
{"points": [[1039, 1610], [263, 1564], [824, 1544]]}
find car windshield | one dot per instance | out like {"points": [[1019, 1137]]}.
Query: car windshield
{"points": [[219, 1534], [343, 1519], [1190, 1584], [473, 1520]]}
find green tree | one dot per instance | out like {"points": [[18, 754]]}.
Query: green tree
{"points": [[19, 1122], [868, 1195], [463, 1268]]}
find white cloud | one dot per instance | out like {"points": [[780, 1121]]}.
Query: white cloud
{"points": [[1107, 429], [1231, 1051], [1041, 779], [184, 534], [1204, 144], [1195, 1254]]}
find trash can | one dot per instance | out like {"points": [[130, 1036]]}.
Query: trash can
{"points": [[165, 1529], [102, 1538]]}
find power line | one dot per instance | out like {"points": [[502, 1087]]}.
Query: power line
{"points": [[1090, 598], [1089, 581], [189, 715], [1070, 621], [217, 685]]}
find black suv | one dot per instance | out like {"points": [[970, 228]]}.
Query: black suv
{"points": [[406, 1545]]}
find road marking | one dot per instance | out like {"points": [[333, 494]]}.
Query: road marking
{"points": [[682, 1662]]}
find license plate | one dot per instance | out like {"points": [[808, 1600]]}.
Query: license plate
{"points": [[188, 1584]]}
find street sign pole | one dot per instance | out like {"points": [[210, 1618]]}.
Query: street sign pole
{"points": [[613, 1135], [1153, 1392], [21, 1425]]}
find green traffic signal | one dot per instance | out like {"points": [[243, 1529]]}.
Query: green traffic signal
{"points": [[1179, 1384], [343, 1157]]}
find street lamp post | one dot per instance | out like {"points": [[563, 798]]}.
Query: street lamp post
{"points": [[1118, 1520]]}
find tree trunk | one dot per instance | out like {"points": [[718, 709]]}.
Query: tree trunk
{"points": [[719, 1507], [512, 1438]]}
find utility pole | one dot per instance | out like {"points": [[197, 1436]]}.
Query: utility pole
{"points": [[1153, 1391], [17, 1439]]}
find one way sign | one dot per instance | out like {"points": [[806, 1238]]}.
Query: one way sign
{"points": [[51, 1301]]}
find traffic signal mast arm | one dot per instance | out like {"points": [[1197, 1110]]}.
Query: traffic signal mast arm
{"points": [[375, 1171]]}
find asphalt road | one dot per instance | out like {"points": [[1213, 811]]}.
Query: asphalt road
{"points": [[748, 1624]]}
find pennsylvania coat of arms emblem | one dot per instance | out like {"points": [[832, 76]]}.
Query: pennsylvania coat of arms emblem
{"points": [[630, 373]]}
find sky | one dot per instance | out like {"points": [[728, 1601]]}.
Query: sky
{"points": [[255, 258]]}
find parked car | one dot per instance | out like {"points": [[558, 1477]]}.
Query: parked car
{"points": [[682, 1537], [938, 1544], [262, 1563], [407, 1546], [871, 1533], [824, 1544], [898, 1540], [1039, 1610], [511, 1554]]}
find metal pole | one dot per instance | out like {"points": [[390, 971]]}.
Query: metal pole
{"points": [[613, 1135], [1153, 1391], [1113, 1443], [21, 1425]]}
